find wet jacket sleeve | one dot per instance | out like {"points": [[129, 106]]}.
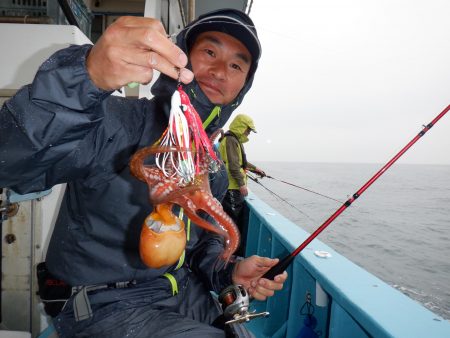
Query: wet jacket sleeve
{"points": [[206, 262], [43, 123], [251, 166], [234, 165]]}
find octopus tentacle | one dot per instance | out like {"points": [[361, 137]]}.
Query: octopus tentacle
{"points": [[215, 134], [173, 196], [213, 208], [191, 208], [192, 214], [137, 166]]}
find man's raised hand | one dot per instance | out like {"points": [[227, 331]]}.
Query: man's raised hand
{"points": [[130, 49]]}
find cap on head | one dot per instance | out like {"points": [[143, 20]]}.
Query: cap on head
{"points": [[232, 22]]}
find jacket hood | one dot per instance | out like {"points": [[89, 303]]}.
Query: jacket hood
{"points": [[165, 86], [240, 124]]}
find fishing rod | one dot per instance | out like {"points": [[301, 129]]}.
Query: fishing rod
{"points": [[297, 186], [235, 299], [284, 262], [254, 179]]}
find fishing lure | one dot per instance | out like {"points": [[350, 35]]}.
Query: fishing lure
{"points": [[184, 157]]}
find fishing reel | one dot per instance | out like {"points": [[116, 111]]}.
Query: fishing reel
{"points": [[235, 302]]}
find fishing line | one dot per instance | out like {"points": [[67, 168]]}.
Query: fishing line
{"points": [[299, 187], [286, 261], [254, 179]]}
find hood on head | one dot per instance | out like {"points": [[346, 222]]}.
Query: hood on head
{"points": [[232, 22], [240, 124]]}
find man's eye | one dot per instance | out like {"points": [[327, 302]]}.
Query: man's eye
{"points": [[236, 66], [209, 52]]}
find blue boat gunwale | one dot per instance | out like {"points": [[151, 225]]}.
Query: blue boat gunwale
{"points": [[378, 309]]}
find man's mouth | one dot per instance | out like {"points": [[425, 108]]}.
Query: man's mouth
{"points": [[209, 87]]}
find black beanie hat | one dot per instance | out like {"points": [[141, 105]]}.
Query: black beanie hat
{"points": [[232, 22]]}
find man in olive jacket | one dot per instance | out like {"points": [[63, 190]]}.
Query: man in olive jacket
{"points": [[232, 151]]}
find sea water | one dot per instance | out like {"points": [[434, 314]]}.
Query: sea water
{"points": [[398, 229]]}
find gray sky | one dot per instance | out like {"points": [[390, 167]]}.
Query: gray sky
{"points": [[350, 81]]}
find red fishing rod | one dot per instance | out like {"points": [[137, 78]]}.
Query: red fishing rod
{"points": [[235, 300], [284, 262]]}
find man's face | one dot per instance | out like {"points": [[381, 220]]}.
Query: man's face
{"points": [[220, 64]]}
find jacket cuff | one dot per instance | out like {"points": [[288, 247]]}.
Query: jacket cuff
{"points": [[225, 277]]}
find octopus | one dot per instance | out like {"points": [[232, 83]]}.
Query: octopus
{"points": [[163, 238]]}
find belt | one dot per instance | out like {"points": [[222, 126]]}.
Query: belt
{"points": [[81, 305], [118, 285]]}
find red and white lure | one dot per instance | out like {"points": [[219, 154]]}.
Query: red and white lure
{"points": [[185, 132]]}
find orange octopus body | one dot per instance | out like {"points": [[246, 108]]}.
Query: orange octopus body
{"points": [[192, 197], [158, 249]]}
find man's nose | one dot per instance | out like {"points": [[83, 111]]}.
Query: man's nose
{"points": [[219, 70]]}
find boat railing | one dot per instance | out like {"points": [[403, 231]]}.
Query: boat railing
{"points": [[346, 300]]}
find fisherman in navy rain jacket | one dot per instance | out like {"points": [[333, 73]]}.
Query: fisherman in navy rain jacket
{"points": [[66, 127]]}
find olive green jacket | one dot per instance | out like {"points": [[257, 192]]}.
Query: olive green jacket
{"points": [[232, 151]]}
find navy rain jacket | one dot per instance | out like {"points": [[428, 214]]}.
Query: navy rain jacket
{"points": [[61, 128]]}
